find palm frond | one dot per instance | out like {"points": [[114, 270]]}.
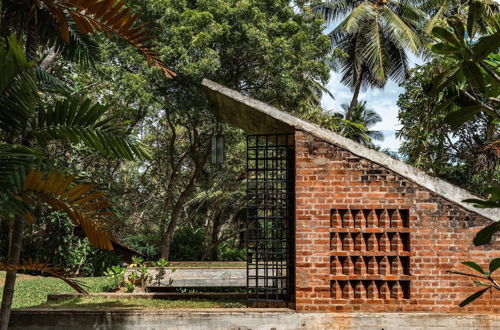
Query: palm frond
{"points": [[431, 23], [49, 83], [409, 11], [397, 63], [78, 121], [15, 160], [374, 53], [357, 127], [45, 267], [400, 32], [376, 135], [85, 207], [357, 18], [17, 85], [108, 16], [332, 10], [79, 47]]}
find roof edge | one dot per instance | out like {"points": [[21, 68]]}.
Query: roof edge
{"points": [[442, 188]]}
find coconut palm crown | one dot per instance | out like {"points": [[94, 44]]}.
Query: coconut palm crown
{"points": [[365, 118], [377, 36]]}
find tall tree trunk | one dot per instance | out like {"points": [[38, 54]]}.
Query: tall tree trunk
{"points": [[167, 239], [16, 236], [15, 242], [177, 209], [354, 101], [48, 60]]}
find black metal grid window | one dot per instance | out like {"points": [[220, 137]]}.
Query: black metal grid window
{"points": [[270, 201]]}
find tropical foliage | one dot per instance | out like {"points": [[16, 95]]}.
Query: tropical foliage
{"points": [[462, 97], [78, 106], [471, 81], [37, 110], [265, 49], [377, 37], [487, 281], [359, 124], [452, 129], [64, 25]]}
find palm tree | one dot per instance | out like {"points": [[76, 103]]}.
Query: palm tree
{"points": [[25, 123], [63, 26], [365, 118], [376, 35], [223, 207]]}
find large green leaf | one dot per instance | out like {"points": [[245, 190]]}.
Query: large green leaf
{"points": [[446, 36], [17, 86], [456, 118], [485, 46], [81, 121], [473, 297], [476, 10], [445, 49], [485, 235], [492, 202], [494, 265], [474, 266], [494, 193], [474, 75], [458, 29]]}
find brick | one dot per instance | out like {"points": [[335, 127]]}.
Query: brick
{"points": [[329, 178]]}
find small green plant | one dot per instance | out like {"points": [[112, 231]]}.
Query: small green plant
{"points": [[487, 281], [140, 276], [144, 277], [160, 270], [116, 274], [130, 287], [133, 276], [136, 261], [162, 263]]}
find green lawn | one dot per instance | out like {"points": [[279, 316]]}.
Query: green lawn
{"points": [[99, 302], [32, 291]]}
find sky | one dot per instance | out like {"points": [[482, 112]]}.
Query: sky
{"points": [[383, 101]]}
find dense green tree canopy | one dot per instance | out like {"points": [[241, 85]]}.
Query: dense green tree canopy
{"points": [[460, 156], [265, 49]]}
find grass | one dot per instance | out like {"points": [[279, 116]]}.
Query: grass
{"points": [[32, 291], [104, 303]]}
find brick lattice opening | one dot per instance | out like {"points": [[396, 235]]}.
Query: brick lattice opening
{"points": [[370, 254]]}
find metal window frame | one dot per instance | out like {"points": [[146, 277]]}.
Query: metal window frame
{"points": [[270, 217]]}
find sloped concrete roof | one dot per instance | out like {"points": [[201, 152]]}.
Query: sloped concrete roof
{"points": [[257, 117]]}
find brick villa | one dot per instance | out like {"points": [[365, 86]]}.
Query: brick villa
{"points": [[356, 230]]}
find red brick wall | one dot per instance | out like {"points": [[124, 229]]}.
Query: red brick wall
{"points": [[429, 236]]}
